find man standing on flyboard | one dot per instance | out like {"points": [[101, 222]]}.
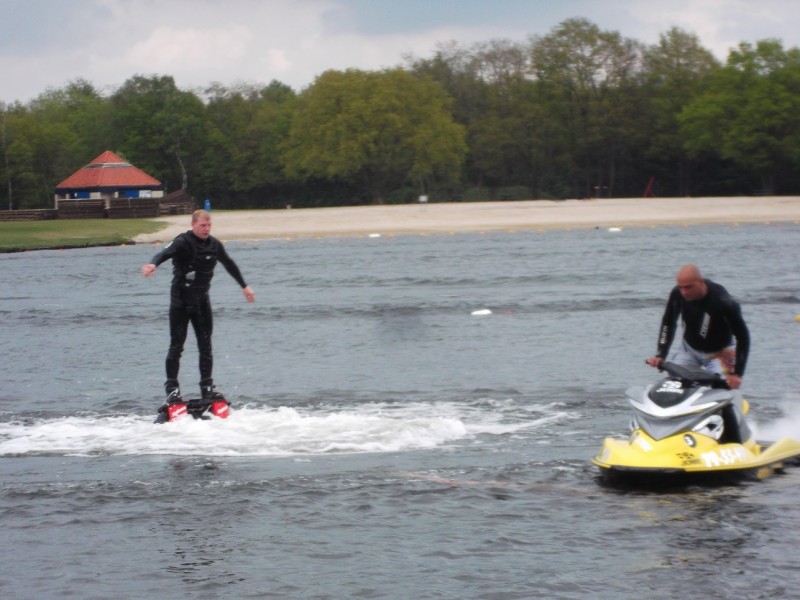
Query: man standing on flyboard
{"points": [[194, 255]]}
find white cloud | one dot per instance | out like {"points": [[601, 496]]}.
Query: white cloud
{"points": [[169, 50], [721, 25], [276, 60], [203, 41]]}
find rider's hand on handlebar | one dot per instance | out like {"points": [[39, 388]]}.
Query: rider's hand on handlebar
{"points": [[654, 361], [733, 381]]}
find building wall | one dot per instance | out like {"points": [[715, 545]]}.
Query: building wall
{"points": [[107, 196]]}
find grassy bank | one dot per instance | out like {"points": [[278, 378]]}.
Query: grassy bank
{"points": [[71, 233]]}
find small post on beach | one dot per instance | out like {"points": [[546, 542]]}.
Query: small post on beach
{"points": [[648, 191], [423, 202]]}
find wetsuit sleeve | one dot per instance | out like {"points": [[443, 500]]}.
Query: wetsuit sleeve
{"points": [[230, 266], [668, 323], [742, 335], [169, 251]]}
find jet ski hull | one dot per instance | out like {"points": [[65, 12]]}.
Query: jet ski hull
{"points": [[694, 456]]}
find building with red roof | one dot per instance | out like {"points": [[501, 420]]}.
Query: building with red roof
{"points": [[108, 177]]}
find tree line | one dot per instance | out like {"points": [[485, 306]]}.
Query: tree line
{"points": [[578, 112]]}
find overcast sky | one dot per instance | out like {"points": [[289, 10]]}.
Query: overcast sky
{"points": [[48, 43]]}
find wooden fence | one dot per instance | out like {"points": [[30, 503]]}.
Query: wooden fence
{"points": [[81, 209], [118, 208], [177, 203], [132, 208]]}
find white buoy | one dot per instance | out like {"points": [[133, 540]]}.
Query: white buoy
{"points": [[614, 229], [482, 312], [374, 235]]}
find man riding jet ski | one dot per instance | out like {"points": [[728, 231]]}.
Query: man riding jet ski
{"points": [[690, 423], [715, 336]]}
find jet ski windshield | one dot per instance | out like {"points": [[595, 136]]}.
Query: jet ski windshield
{"points": [[678, 402], [688, 375], [681, 384], [670, 392]]}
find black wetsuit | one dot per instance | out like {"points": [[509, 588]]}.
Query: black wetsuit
{"points": [[193, 262], [709, 324]]}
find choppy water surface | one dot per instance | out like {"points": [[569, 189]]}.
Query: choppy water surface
{"points": [[386, 441]]}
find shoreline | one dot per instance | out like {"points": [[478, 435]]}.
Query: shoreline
{"points": [[406, 219]]}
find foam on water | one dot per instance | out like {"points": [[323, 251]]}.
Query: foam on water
{"points": [[260, 431], [787, 426]]}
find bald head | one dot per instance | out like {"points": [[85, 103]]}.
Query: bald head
{"points": [[691, 283]]}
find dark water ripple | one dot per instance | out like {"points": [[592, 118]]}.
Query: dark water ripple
{"points": [[392, 444]]}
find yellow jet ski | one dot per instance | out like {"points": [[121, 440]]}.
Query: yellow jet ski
{"points": [[690, 425]]}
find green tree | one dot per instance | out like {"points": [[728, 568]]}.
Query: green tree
{"points": [[750, 114], [246, 126], [159, 128], [47, 140], [72, 127], [501, 130], [591, 79], [677, 70], [20, 189], [476, 79], [386, 129]]}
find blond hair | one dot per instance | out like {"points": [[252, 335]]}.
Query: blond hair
{"points": [[200, 214]]}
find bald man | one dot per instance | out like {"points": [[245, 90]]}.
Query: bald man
{"points": [[715, 336]]}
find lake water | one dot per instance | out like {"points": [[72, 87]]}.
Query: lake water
{"points": [[386, 442]]}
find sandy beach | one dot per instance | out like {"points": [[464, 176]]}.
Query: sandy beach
{"points": [[485, 216]]}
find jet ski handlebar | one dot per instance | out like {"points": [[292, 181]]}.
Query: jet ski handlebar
{"points": [[689, 375]]}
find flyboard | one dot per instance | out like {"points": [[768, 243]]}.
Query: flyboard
{"points": [[194, 407]]}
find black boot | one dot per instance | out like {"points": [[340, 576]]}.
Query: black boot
{"points": [[173, 392], [209, 393]]}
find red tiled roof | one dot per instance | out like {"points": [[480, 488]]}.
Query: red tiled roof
{"points": [[109, 171]]}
